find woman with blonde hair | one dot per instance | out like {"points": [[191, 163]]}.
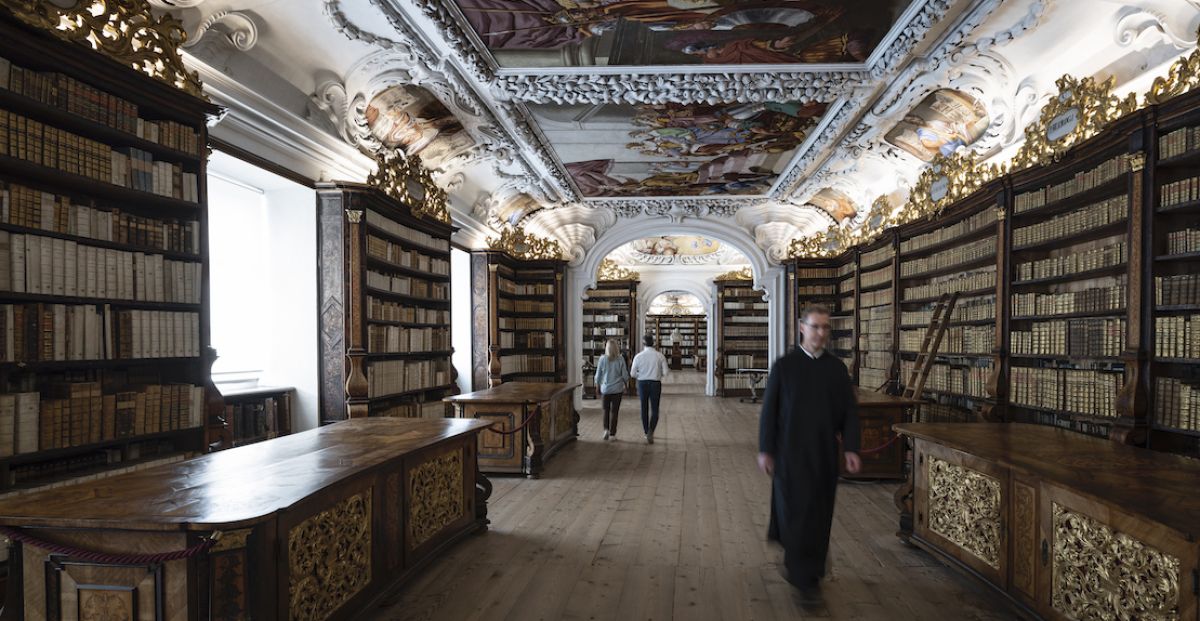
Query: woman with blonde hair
{"points": [[611, 377]]}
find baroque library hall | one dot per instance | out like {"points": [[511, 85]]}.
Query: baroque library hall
{"points": [[448, 310]]}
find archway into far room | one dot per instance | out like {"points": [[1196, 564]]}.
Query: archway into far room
{"points": [[678, 321]]}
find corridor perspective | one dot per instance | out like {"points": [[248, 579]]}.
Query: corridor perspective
{"points": [[674, 530]]}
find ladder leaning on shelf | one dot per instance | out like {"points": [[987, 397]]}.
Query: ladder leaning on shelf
{"points": [[930, 345]]}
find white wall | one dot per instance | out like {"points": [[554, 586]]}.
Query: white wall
{"points": [[237, 219], [460, 316]]}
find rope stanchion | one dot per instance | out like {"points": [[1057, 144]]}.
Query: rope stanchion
{"points": [[537, 412], [880, 447], [107, 558]]}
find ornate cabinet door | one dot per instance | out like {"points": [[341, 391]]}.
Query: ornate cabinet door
{"points": [[960, 504], [1024, 540], [1100, 563]]}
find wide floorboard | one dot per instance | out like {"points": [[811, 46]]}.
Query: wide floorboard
{"points": [[674, 530]]}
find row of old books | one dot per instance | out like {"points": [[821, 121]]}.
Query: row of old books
{"points": [[875, 278], [956, 340], [388, 377], [413, 259], [24, 206], [595, 294], [1178, 142], [87, 102], [962, 379], [816, 290], [61, 333], [877, 256], [842, 323], [957, 255], [882, 297], [1091, 300], [1177, 336], [942, 234], [746, 306], [980, 308], [525, 306], [408, 285], [742, 292], [745, 331], [1177, 290], [406, 233], [137, 169], [1094, 216], [744, 361], [1179, 192], [53, 266], [526, 323], [1078, 391], [1177, 403], [545, 340], [253, 420], [1083, 181], [402, 340], [527, 363], [80, 413], [382, 310], [965, 281], [1090, 337], [603, 318], [736, 319], [846, 304], [817, 272], [1183, 241], [609, 304], [424, 409], [1073, 263]]}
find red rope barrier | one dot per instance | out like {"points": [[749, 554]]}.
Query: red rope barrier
{"points": [[112, 559], [536, 413], [880, 447]]}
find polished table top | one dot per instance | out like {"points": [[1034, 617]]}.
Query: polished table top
{"points": [[515, 392], [233, 488], [1158, 486]]}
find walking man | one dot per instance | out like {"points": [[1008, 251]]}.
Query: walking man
{"points": [[809, 402], [649, 368]]}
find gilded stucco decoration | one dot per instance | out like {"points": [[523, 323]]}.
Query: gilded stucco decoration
{"points": [[947, 180], [405, 179], [1101, 574], [124, 30], [1082, 108], [436, 496], [1183, 76], [964, 507], [825, 244], [742, 274], [609, 270], [329, 558], [525, 246]]}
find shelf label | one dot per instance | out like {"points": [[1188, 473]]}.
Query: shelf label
{"points": [[939, 188], [1062, 125]]}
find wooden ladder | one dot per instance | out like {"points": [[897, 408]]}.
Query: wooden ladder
{"points": [[930, 345]]}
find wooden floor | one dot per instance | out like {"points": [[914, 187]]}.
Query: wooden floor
{"points": [[674, 530]]}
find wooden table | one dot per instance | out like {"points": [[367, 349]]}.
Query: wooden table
{"points": [[314, 526], [543, 412], [877, 413], [1065, 525]]}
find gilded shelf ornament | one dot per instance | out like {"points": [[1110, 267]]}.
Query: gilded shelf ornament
{"points": [[405, 179], [948, 179], [518, 244], [124, 30], [436, 498], [1183, 76], [743, 274], [329, 558], [609, 270], [1103, 574], [1082, 108], [964, 507]]}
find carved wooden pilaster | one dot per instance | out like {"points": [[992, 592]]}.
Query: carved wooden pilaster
{"points": [[357, 388], [494, 368], [560, 358], [997, 382], [719, 352], [791, 308], [1132, 400], [481, 319]]}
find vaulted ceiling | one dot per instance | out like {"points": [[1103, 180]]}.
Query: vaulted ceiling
{"points": [[776, 118]]}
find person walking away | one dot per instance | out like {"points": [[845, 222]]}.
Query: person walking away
{"points": [[611, 377], [809, 402], [649, 369]]}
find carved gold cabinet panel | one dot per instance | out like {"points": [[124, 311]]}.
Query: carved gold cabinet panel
{"points": [[960, 504], [1100, 563]]}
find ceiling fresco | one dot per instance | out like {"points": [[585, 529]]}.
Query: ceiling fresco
{"points": [[618, 150], [556, 33], [668, 245], [675, 303], [677, 250], [944, 121], [411, 118], [835, 203]]}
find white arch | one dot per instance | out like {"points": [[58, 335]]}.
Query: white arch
{"points": [[767, 277], [686, 285]]}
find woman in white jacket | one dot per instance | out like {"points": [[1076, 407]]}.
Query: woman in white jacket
{"points": [[611, 377]]}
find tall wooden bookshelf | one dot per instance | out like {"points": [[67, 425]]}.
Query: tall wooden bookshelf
{"points": [[954, 254], [690, 350], [876, 304], [385, 301], [609, 312], [742, 333], [831, 283], [517, 311], [104, 341]]}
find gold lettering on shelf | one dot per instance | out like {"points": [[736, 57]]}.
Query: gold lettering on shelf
{"points": [[436, 496], [1082, 108], [1103, 574], [406, 179], [329, 558], [124, 30], [964, 508], [609, 270]]}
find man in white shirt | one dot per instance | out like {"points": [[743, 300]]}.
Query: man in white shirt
{"points": [[649, 368]]}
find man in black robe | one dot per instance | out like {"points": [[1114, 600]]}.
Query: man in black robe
{"points": [[809, 402]]}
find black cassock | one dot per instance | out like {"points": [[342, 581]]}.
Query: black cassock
{"points": [[806, 404]]}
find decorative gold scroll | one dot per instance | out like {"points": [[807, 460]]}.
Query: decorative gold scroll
{"points": [[518, 244], [408, 181], [1082, 108], [743, 274], [1183, 76], [965, 508], [825, 244], [609, 270], [124, 30], [947, 180]]}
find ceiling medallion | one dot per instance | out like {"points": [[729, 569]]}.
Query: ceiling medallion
{"points": [[609, 270], [518, 244], [1082, 108], [743, 274], [947, 180], [406, 180], [124, 30], [1183, 77]]}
